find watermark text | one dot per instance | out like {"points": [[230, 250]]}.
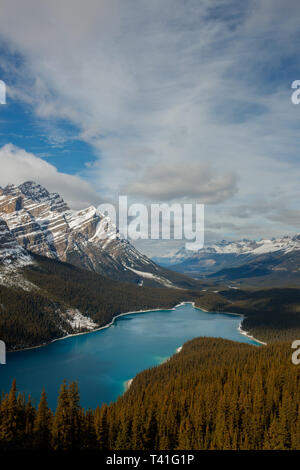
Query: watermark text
{"points": [[2, 92], [157, 221]]}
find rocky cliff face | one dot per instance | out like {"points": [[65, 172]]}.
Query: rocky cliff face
{"points": [[11, 253], [42, 223]]}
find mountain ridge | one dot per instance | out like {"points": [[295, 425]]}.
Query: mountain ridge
{"points": [[49, 299], [235, 260], [285, 243], [42, 223]]}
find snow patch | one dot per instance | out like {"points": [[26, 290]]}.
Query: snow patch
{"points": [[78, 321], [156, 278]]}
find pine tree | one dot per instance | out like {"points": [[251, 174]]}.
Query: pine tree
{"points": [[30, 413], [88, 433], [61, 429], [10, 429], [101, 427], [42, 425], [185, 435], [123, 441], [75, 417]]}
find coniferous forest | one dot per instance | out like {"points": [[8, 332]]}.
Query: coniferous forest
{"points": [[31, 318], [149, 158], [35, 317], [214, 394]]}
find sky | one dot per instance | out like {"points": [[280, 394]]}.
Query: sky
{"points": [[164, 101]]}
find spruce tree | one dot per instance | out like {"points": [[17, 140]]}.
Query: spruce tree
{"points": [[42, 425], [10, 429], [61, 428]]}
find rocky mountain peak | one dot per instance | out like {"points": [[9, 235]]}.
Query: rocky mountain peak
{"points": [[34, 191], [42, 223], [10, 199], [37, 193], [14, 198], [11, 253]]}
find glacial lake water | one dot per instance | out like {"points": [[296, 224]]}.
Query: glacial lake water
{"points": [[102, 361]]}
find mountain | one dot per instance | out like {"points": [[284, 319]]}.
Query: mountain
{"points": [[12, 258], [244, 247], [272, 269], [44, 299], [42, 223], [11, 253], [227, 261], [173, 257]]}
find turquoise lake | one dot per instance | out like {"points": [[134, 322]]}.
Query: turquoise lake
{"points": [[101, 362]]}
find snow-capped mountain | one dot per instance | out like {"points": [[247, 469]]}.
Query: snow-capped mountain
{"points": [[13, 258], [37, 301], [245, 247], [226, 255], [42, 223], [173, 257], [285, 244], [11, 253]]}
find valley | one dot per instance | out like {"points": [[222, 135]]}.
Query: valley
{"points": [[58, 277], [274, 262]]}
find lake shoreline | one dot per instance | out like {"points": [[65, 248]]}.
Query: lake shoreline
{"points": [[105, 364], [108, 325], [128, 383], [94, 330], [240, 329]]}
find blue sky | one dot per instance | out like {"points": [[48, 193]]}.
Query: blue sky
{"points": [[54, 140], [163, 101], [20, 127]]}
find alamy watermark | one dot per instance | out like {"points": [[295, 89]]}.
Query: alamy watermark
{"points": [[2, 92], [2, 352], [296, 354], [157, 221]]}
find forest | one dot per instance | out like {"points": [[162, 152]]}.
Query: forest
{"points": [[31, 318], [270, 314], [34, 317], [214, 394]]}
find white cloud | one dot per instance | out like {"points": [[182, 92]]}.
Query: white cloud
{"points": [[176, 180], [151, 83], [18, 166]]}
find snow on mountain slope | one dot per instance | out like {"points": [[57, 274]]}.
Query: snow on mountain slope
{"points": [[42, 223], [159, 279], [78, 321], [286, 244], [260, 247], [232, 255], [12, 258], [11, 253]]}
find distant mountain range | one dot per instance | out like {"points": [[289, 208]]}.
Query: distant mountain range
{"points": [[35, 221], [276, 259], [40, 222], [59, 276]]}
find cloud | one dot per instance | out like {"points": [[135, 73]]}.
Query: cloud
{"points": [[275, 209], [193, 86], [289, 217], [184, 180], [18, 166]]}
